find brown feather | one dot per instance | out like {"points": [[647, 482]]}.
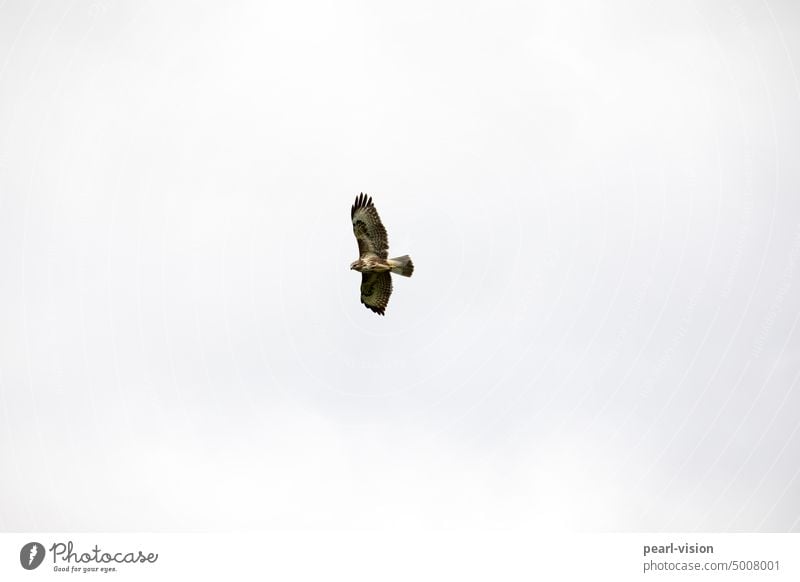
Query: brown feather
{"points": [[376, 288], [368, 229]]}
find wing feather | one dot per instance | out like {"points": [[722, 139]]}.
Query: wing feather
{"points": [[368, 228], [375, 290]]}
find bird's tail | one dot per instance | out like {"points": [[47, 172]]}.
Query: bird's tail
{"points": [[402, 265]]}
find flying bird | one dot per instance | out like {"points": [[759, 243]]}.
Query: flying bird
{"points": [[375, 268]]}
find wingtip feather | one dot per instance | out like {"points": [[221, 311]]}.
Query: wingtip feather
{"points": [[362, 201]]}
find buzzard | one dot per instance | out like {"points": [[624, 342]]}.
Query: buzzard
{"points": [[375, 268]]}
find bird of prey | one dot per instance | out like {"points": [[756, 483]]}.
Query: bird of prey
{"points": [[375, 268]]}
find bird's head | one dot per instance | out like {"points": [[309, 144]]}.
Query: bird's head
{"points": [[354, 265]]}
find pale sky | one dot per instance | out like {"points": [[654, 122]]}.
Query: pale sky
{"points": [[601, 201]]}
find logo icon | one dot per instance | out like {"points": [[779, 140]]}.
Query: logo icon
{"points": [[31, 555]]}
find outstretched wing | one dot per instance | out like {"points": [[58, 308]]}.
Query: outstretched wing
{"points": [[367, 226], [375, 290]]}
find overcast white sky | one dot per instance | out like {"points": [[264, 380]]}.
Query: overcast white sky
{"points": [[601, 200]]}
